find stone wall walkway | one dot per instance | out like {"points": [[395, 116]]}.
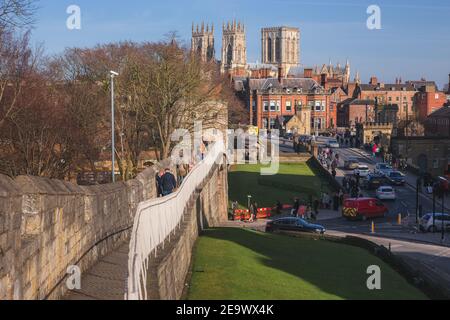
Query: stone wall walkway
{"points": [[106, 280]]}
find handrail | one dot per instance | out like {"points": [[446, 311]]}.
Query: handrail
{"points": [[157, 219]]}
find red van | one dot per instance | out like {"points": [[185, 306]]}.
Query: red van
{"points": [[364, 208]]}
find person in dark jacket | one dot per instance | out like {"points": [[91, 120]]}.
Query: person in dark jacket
{"points": [[295, 207], [168, 183], [158, 179]]}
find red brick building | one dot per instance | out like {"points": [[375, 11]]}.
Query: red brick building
{"points": [[402, 95], [429, 100], [355, 111], [438, 123], [271, 99]]}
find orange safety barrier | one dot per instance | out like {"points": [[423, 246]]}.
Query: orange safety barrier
{"points": [[244, 215]]}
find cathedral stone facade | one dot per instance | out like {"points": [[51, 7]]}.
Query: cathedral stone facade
{"points": [[203, 41], [234, 49], [281, 48]]}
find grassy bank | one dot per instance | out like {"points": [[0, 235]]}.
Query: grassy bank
{"points": [[238, 264], [291, 181]]}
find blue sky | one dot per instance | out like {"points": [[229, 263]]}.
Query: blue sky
{"points": [[414, 41]]}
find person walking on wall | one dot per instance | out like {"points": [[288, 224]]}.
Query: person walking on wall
{"points": [[168, 183]]}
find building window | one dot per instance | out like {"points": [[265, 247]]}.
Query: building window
{"points": [[272, 106], [436, 164], [266, 106], [288, 106], [318, 106], [390, 98]]}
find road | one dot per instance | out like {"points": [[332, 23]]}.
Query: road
{"points": [[426, 249]]}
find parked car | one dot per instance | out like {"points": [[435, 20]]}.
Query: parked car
{"points": [[294, 224], [362, 171], [386, 193], [426, 223], [382, 168], [374, 181], [364, 208], [333, 143], [351, 163], [396, 178]]}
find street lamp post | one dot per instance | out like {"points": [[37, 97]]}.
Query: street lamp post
{"points": [[442, 219], [434, 208], [113, 138], [417, 200]]}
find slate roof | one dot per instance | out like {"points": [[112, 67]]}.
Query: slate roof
{"points": [[387, 87], [290, 83]]}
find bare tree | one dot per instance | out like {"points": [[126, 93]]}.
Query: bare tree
{"points": [[17, 62], [17, 13], [179, 89]]}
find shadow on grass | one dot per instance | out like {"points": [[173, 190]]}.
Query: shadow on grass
{"points": [[267, 190], [290, 268]]}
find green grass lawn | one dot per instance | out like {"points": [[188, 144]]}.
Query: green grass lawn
{"points": [[237, 264], [292, 180]]}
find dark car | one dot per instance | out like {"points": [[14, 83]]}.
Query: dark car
{"points": [[396, 178], [294, 224], [374, 181]]}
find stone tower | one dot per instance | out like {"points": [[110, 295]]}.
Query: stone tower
{"points": [[203, 41], [234, 49], [281, 47], [347, 73], [303, 114]]}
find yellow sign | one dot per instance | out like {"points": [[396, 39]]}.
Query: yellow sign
{"points": [[253, 131]]}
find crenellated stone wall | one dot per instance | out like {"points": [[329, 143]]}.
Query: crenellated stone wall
{"points": [[48, 225]]}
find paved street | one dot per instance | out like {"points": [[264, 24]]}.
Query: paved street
{"points": [[426, 249]]}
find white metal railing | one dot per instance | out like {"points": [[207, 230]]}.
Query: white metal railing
{"points": [[157, 219]]}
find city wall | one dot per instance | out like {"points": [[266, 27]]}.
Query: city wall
{"points": [[48, 225]]}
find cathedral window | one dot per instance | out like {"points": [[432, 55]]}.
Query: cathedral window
{"points": [[278, 50], [229, 55], [269, 50]]}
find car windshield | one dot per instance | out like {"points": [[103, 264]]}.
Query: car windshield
{"points": [[386, 190], [363, 168], [302, 222], [395, 174]]}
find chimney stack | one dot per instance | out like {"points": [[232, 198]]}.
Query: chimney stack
{"points": [[373, 81], [280, 74], [448, 90]]}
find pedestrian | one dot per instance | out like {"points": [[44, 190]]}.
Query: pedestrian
{"points": [[341, 198], [202, 150], [182, 171], [316, 209], [255, 211], [252, 210], [334, 173], [345, 183], [336, 202], [295, 207], [279, 207], [168, 183], [158, 179]]}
